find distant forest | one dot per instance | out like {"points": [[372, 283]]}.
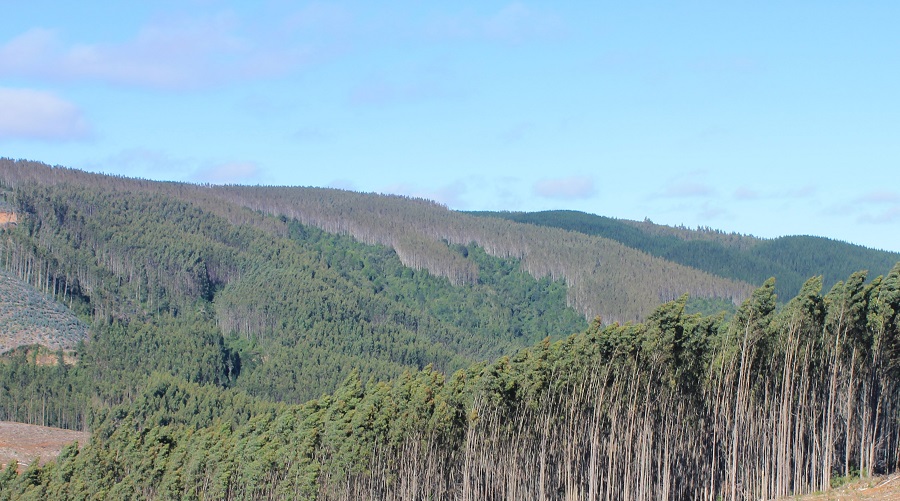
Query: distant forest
{"points": [[792, 259], [301, 343]]}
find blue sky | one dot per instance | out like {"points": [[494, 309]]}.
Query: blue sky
{"points": [[766, 118]]}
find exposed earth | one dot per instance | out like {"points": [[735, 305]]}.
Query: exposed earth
{"points": [[868, 489], [26, 443]]}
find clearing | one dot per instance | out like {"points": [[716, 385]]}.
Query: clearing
{"points": [[26, 443]]}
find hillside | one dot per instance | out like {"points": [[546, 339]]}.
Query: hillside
{"points": [[303, 343], [217, 293], [29, 317], [27, 444], [740, 257], [679, 407], [870, 489], [603, 277]]}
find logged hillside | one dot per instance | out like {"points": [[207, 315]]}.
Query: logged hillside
{"points": [[299, 343], [29, 317], [603, 277], [740, 257], [217, 293], [679, 407]]}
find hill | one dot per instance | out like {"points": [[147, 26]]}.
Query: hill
{"points": [[740, 257], [302, 343], [603, 277], [29, 317], [28, 444], [768, 404]]}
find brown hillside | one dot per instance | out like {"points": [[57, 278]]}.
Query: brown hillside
{"points": [[26, 443], [8, 218], [28, 317], [869, 489]]}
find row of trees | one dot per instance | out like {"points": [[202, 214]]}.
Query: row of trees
{"points": [[769, 403]]}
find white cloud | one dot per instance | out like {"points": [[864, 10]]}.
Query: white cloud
{"points": [[228, 173], [33, 114], [172, 54], [565, 188]]}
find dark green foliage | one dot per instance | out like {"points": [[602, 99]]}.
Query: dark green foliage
{"points": [[45, 395]]}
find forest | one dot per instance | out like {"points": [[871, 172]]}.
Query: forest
{"points": [[792, 259], [301, 343]]}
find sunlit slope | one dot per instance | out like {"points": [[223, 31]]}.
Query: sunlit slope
{"points": [[604, 277], [740, 257], [29, 317]]}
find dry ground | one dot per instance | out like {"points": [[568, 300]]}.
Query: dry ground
{"points": [[26, 443], [869, 489]]}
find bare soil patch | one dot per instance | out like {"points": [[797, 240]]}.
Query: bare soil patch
{"points": [[26, 443], [866, 489]]}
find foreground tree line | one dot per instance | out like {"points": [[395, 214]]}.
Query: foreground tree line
{"points": [[768, 403]]}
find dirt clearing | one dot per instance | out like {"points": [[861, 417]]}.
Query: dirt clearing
{"points": [[26, 443]]}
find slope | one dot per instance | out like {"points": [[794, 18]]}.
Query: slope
{"points": [[740, 257], [215, 293], [29, 317], [603, 277], [679, 407]]}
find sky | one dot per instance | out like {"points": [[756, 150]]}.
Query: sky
{"points": [[765, 118]]}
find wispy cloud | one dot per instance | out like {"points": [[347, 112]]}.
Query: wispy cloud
{"points": [[789, 194], [517, 22], [879, 197], [379, 92], [887, 216], [687, 189], [744, 193], [34, 114], [514, 23], [171, 54], [565, 188], [142, 162], [449, 195], [309, 135], [516, 133], [228, 173], [878, 207]]}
